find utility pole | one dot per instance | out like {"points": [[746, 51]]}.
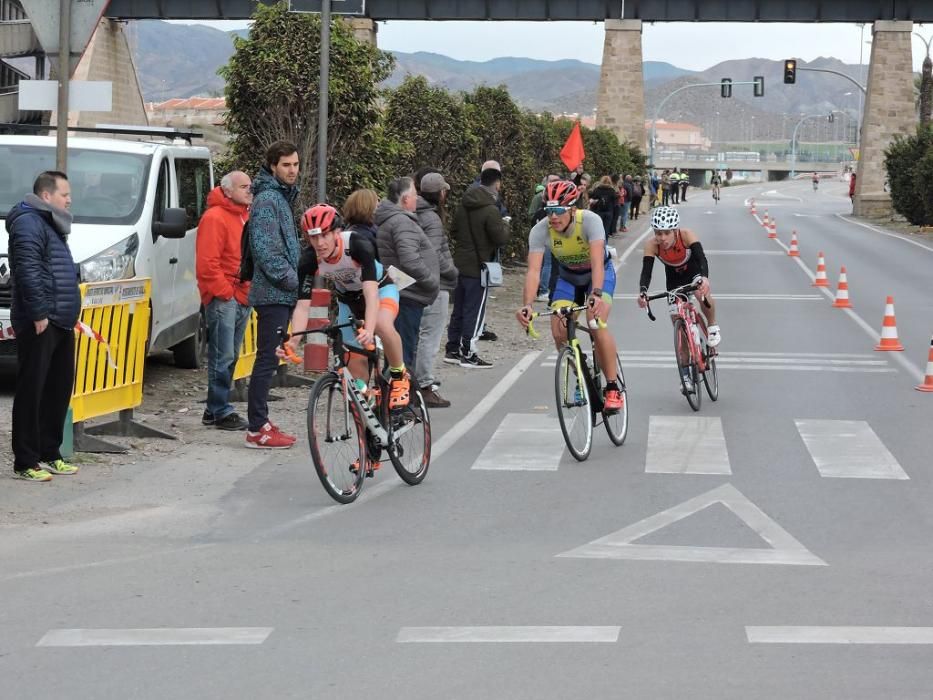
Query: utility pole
{"points": [[322, 104], [64, 75]]}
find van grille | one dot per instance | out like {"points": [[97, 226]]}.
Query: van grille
{"points": [[6, 296]]}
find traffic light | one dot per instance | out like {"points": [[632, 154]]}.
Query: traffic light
{"points": [[790, 71], [759, 86], [726, 87]]}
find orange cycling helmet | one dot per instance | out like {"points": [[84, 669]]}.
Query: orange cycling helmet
{"points": [[321, 218], [561, 193]]}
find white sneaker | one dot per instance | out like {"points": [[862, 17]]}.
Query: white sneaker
{"points": [[713, 336], [687, 385], [543, 296]]}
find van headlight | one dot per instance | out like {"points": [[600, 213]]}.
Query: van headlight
{"points": [[116, 263]]}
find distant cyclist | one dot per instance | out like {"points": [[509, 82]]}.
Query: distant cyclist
{"points": [[715, 182], [577, 241], [816, 180], [684, 263]]}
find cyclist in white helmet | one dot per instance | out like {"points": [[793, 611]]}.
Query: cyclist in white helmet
{"points": [[684, 262]]}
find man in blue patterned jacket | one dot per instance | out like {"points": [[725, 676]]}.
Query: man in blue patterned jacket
{"points": [[273, 238], [46, 304]]}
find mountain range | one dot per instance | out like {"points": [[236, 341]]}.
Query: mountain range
{"points": [[168, 67]]}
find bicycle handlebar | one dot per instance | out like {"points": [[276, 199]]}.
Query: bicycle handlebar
{"points": [[331, 329], [683, 291], [565, 311]]}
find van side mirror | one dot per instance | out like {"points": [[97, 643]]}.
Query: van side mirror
{"points": [[174, 224]]}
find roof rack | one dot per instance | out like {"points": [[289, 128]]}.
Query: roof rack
{"points": [[160, 131]]}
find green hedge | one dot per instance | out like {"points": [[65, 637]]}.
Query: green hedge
{"points": [[909, 163]]}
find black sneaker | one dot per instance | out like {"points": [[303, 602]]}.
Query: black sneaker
{"points": [[489, 335], [231, 421], [207, 418], [474, 361], [452, 358]]}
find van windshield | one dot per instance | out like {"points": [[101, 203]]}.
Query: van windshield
{"points": [[106, 187]]}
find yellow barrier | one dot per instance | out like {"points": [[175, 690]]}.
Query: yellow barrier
{"points": [[119, 312], [247, 358]]}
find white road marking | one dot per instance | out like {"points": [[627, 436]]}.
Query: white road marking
{"points": [[839, 635], [523, 442], [154, 637], [747, 297], [885, 233], [725, 364], [741, 252], [686, 445], [785, 549], [848, 449], [501, 634]]}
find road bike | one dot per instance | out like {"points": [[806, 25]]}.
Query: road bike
{"points": [[350, 423], [578, 386], [716, 193], [696, 359]]}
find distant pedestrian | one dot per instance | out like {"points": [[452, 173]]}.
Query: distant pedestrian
{"points": [[45, 308], [223, 294], [274, 247]]}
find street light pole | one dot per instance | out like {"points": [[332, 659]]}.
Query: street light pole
{"points": [[322, 103], [64, 75], [793, 139]]}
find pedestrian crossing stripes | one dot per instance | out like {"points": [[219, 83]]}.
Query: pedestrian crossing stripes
{"points": [[784, 362], [693, 445], [839, 635], [744, 252], [686, 445], [523, 442], [848, 449]]}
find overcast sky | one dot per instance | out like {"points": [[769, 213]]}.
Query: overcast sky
{"points": [[695, 46]]}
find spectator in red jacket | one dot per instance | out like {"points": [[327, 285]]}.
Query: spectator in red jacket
{"points": [[223, 294], [852, 186]]}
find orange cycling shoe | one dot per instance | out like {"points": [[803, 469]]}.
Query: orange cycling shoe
{"points": [[371, 466], [612, 400], [400, 391]]}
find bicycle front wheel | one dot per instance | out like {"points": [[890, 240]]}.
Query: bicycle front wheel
{"points": [[573, 406], [410, 440], [710, 373], [336, 437], [686, 368], [616, 422]]}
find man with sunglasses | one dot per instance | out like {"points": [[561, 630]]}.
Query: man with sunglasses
{"points": [[577, 241], [684, 263]]}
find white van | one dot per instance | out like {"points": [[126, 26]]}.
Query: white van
{"points": [[136, 208]]}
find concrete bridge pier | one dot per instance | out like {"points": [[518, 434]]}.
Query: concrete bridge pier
{"points": [[889, 111], [620, 105], [364, 29]]}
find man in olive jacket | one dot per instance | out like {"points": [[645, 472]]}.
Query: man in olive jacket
{"points": [[478, 231]]}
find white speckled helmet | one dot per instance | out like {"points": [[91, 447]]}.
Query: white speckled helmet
{"points": [[665, 218]]}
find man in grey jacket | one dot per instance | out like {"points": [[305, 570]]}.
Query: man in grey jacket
{"points": [[433, 191], [402, 243]]}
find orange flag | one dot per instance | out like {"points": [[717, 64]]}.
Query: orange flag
{"points": [[572, 153]]}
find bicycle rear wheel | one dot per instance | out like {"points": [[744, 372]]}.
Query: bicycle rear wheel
{"points": [[337, 439], [685, 366], [409, 448], [573, 406], [616, 422]]}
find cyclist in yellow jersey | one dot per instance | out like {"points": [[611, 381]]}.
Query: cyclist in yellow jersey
{"points": [[577, 241]]}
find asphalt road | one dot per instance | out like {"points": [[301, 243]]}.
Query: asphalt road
{"points": [[774, 545]]}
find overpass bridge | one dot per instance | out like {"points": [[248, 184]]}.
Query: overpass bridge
{"points": [[889, 105], [699, 167]]}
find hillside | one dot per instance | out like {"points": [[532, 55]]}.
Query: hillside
{"points": [[168, 67]]}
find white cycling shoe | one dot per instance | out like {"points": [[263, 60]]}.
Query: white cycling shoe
{"points": [[713, 336]]}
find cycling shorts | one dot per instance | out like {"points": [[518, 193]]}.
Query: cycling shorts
{"points": [[568, 294], [354, 304]]}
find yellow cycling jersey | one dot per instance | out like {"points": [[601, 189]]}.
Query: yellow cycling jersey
{"points": [[573, 251]]}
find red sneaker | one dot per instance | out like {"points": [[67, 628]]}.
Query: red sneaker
{"points": [[612, 400], [282, 432], [269, 438]]}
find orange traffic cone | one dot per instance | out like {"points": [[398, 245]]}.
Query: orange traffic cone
{"points": [[794, 251], [889, 339], [764, 221], [821, 280], [842, 291], [754, 211], [772, 229], [928, 379]]}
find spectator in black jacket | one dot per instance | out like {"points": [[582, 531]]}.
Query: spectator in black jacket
{"points": [[46, 305]]}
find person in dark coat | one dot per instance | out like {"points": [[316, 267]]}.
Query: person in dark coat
{"points": [[45, 309]]}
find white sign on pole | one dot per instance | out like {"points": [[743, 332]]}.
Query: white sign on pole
{"points": [[85, 16], [83, 96], [337, 7]]}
